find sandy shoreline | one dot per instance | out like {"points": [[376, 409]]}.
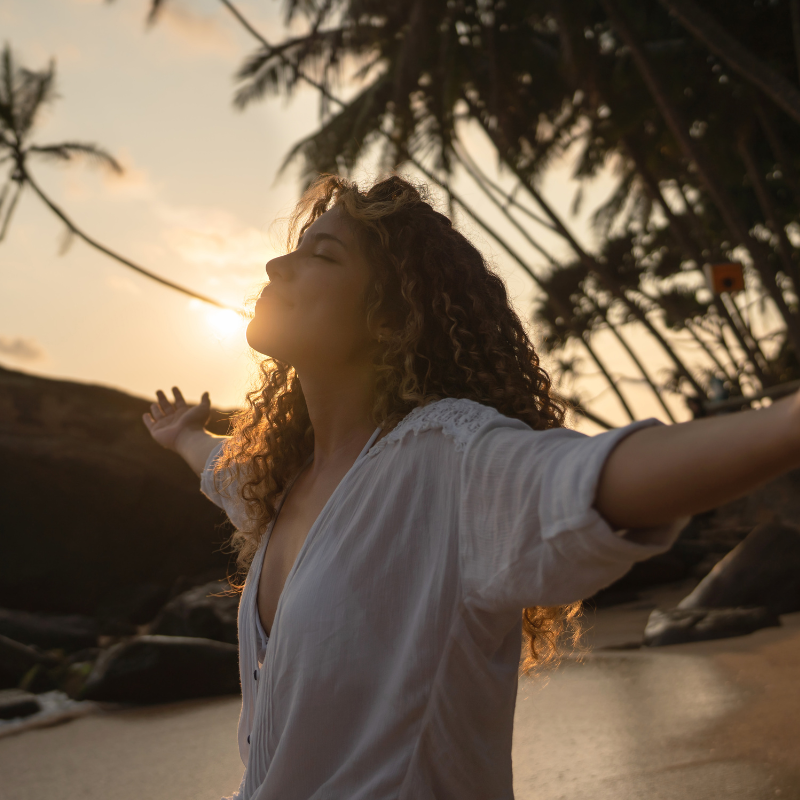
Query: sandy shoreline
{"points": [[688, 722]]}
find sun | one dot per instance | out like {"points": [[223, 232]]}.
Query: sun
{"points": [[225, 323]]}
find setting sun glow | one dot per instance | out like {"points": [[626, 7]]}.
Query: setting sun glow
{"points": [[226, 323]]}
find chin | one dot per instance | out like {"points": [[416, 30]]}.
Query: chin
{"points": [[260, 339]]}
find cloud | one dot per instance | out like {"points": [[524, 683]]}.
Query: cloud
{"points": [[133, 181], [213, 237], [21, 349], [197, 32]]}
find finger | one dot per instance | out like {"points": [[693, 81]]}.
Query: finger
{"points": [[156, 411], [148, 420], [165, 404], [179, 401], [205, 399]]}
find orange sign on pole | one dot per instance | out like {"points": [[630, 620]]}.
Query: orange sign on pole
{"points": [[727, 277]]}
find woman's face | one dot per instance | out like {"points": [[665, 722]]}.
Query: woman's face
{"points": [[311, 313]]}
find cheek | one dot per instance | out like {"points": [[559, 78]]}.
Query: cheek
{"points": [[336, 306]]}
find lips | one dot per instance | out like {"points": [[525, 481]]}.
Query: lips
{"points": [[269, 295]]}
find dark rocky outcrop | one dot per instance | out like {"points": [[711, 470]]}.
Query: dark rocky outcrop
{"points": [[49, 631], [679, 625], [17, 660], [15, 703], [763, 570], [92, 507], [208, 612], [132, 605], [157, 669]]}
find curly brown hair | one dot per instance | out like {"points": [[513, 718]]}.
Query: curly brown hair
{"points": [[453, 334]]}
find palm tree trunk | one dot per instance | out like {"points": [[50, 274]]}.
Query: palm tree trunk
{"points": [[684, 238], [730, 214], [592, 417], [613, 328], [564, 311], [73, 228], [710, 353], [779, 151], [708, 31], [9, 212], [484, 181], [504, 210], [611, 382], [556, 265], [591, 264], [768, 209]]}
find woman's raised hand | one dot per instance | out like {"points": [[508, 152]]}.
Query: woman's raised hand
{"points": [[168, 421]]}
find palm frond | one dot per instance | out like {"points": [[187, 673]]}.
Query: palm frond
{"points": [[68, 150], [156, 7], [35, 90], [337, 145], [276, 68]]}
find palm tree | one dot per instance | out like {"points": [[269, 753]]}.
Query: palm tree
{"points": [[23, 94], [743, 61], [539, 78]]}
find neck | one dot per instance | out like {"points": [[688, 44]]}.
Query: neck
{"points": [[340, 407]]}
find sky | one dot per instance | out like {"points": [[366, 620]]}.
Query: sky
{"points": [[200, 202]]}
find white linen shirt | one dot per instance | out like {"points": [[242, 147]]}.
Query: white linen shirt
{"points": [[391, 669]]}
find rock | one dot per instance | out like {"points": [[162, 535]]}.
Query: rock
{"points": [[17, 659], [663, 568], [15, 703], [48, 631], [763, 570], [679, 625], [157, 669], [119, 511], [134, 605], [203, 612], [73, 678]]}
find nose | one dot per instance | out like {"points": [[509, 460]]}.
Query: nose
{"points": [[278, 268]]}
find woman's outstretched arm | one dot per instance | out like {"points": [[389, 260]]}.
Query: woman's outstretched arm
{"points": [[180, 427], [660, 473]]}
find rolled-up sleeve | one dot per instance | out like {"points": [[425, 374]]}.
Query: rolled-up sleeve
{"points": [[222, 489], [530, 534]]}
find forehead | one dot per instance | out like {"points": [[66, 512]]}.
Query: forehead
{"points": [[337, 223]]}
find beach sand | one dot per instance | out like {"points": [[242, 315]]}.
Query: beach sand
{"points": [[690, 722]]}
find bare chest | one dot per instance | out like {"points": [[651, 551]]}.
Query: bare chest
{"points": [[299, 512]]}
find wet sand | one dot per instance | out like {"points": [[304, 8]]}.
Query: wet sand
{"points": [[690, 722]]}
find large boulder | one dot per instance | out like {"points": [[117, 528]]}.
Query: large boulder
{"points": [[764, 570], [17, 660], [15, 703], [92, 506], [208, 612], [158, 669], [49, 631], [681, 625]]}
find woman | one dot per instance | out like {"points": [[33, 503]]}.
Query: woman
{"points": [[410, 507]]}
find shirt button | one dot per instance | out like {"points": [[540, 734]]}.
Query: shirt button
{"points": [[255, 674], [248, 738]]}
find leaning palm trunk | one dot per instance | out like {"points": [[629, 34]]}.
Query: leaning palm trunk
{"points": [[685, 241], [621, 339], [592, 265], [76, 231], [730, 214], [555, 265], [708, 31], [767, 208], [563, 310]]}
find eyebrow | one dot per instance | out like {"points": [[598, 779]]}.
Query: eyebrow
{"points": [[321, 235]]}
